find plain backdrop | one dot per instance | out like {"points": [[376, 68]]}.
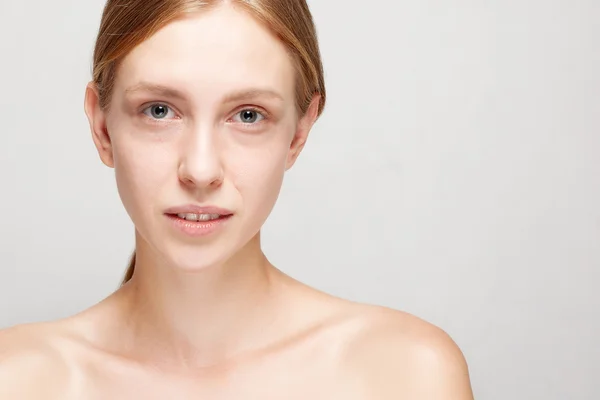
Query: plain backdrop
{"points": [[455, 175]]}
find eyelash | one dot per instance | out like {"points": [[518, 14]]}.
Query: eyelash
{"points": [[265, 115]]}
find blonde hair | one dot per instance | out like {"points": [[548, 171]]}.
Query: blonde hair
{"points": [[127, 23]]}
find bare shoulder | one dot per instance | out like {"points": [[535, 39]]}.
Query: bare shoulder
{"points": [[31, 363], [397, 355]]}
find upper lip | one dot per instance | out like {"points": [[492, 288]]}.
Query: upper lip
{"points": [[195, 209]]}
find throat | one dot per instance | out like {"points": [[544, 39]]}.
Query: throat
{"points": [[201, 320]]}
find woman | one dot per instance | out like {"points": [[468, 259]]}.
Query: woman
{"points": [[200, 107]]}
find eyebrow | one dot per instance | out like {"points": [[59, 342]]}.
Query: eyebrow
{"points": [[154, 88], [249, 94], [241, 95]]}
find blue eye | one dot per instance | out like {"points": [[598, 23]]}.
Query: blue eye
{"points": [[158, 111], [249, 116]]}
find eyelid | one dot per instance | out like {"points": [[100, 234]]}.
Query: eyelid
{"points": [[147, 105], [265, 114], [260, 110]]}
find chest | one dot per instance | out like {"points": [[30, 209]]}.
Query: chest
{"points": [[302, 383], [288, 377]]}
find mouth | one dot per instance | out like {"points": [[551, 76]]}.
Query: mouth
{"points": [[192, 217], [198, 221], [196, 213]]}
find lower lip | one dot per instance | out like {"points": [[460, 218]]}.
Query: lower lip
{"points": [[198, 228]]}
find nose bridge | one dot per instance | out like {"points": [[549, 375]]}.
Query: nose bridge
{"points": [[200, 161]]}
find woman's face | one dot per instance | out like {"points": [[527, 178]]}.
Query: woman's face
{"points": [[202, 114]]}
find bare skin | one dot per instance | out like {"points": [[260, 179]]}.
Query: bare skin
{"points": [[209, 317], [323, 348]]}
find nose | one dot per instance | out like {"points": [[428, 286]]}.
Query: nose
{"points": [[200, 162]]}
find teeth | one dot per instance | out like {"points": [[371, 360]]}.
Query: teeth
{"points": [[198, 217]]}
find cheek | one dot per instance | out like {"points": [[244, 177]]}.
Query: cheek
{"points": [[140, 171], [258, 176]]}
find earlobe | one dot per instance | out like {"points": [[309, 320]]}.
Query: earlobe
{"points": [[97, 120], [303, 129]]}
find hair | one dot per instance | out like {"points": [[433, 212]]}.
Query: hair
{"points": [[127, 23]]}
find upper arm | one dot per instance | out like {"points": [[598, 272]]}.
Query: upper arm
{"points": [[406, 358], [28, 368], [439, 371]]}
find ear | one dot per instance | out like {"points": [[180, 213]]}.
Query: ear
{"points": [[302, 130], [97, 119]]}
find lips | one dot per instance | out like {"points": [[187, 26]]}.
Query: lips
{"points": [[198, 221], [191, 210], [199, 217]]}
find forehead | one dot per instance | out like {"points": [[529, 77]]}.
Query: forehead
{"points": [[216, 51]]}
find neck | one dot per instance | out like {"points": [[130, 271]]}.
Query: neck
{"points": [[202, 318]]}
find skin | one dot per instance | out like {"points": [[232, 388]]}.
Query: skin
{"points": [[211, 317]]}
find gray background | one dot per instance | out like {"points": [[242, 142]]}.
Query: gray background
{"points": [[454, 175]]}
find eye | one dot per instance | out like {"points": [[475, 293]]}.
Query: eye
{"points": [[159, 111], [249, 116]]}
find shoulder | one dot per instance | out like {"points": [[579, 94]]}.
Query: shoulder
{"points": [[397, 355], [31, 362]]}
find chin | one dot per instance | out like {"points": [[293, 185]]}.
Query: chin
{"points": [[190, 254], [195, 258]]}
